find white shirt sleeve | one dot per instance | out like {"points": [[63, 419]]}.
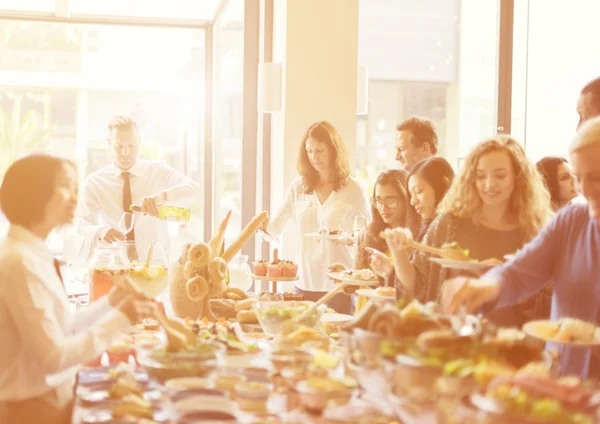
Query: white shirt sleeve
{"points": [[286, 211], [180, 187], [89, 227], [47, 342], [84, 318], [363, 206]]}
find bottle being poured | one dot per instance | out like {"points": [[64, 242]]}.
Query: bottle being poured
{"points": [[168, 213]]}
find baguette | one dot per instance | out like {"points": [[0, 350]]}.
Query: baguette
{"points": [[216, 243], [245, 235]]}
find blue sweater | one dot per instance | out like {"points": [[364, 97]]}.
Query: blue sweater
{"points": [[567, 252]]}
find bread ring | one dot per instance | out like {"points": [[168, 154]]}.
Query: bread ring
{"points": [[232, 296], [217, 269], [386, 322], [197, 288], [241, 293], [200, 255], [184, 253], [218, 287], [190, 270]]}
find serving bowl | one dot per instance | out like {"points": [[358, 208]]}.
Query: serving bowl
{"points": [[199, 361], [271, 314]]}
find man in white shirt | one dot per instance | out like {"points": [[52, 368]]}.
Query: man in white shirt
{"points": [[416, 140], [129, 180]]}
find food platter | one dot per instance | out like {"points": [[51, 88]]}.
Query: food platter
{"points": [[341, 276], [465, 265], [372, 294], [543, 330]]}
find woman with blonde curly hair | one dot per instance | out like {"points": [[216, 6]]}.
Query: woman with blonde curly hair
{"points": [[323, 196], [497, 203]]}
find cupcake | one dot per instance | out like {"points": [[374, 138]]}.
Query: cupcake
{"points": [[260, 268], [290, 269], [275, 269]]}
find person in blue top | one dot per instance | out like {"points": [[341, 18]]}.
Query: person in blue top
{"points": [[566, 251]]}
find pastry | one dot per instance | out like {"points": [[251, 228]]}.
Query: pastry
{"points": [[200, 255], [260, 268], [247, 317], [387, 322], [197, 288], [217, 269], [246, 304], [290, 269], [386, 291], [275, 269], [223, 308], [361, 320], [242, 294]]}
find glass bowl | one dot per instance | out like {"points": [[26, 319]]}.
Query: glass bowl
{"points": [[271, 314], [200, 361]]}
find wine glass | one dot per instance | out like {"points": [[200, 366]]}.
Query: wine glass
{"points": [[358, 225], [126, 223]]}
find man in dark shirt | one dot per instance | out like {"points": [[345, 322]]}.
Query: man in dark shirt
{"points": [[566, 251]]}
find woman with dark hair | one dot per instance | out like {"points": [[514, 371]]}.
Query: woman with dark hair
{"points": [[495, 205], [559, 180], [428, 183], [42, 341], [390, 208], [323, 196]]}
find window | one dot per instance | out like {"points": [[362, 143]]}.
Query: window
{"points": [[433, 58], [191, 9], [69, 80], [550, 67], [27, 5], [229, 65]]}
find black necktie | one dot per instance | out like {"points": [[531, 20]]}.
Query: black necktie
{"points": [[57, 268], [131, 251]]}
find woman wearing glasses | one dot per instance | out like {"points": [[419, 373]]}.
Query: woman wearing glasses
{"points": [[390, 208]]}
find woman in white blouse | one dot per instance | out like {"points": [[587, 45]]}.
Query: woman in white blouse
{"points": [[323, 196], [42, 340]]}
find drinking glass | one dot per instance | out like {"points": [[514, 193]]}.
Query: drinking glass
{"points": [[358, 225]]}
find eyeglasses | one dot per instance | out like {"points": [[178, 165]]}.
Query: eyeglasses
{"points": [[389, 202]]}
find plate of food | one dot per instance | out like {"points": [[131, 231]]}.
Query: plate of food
{"points": [[327, 234], [132, 408], [380, 293], [472, 264], [358, 277], [567, 331]]}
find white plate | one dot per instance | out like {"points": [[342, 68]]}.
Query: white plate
{"points": [[509, 257], [535, 329], [336, 318], [449, 263], [189, 383], [372, 294], [352, 281], [318, 236]]}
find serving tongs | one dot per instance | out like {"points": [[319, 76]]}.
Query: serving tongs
{"points": [[443, 252], [178, 335]]}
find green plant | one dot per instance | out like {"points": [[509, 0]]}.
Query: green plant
{"points": [[19, 135]]}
